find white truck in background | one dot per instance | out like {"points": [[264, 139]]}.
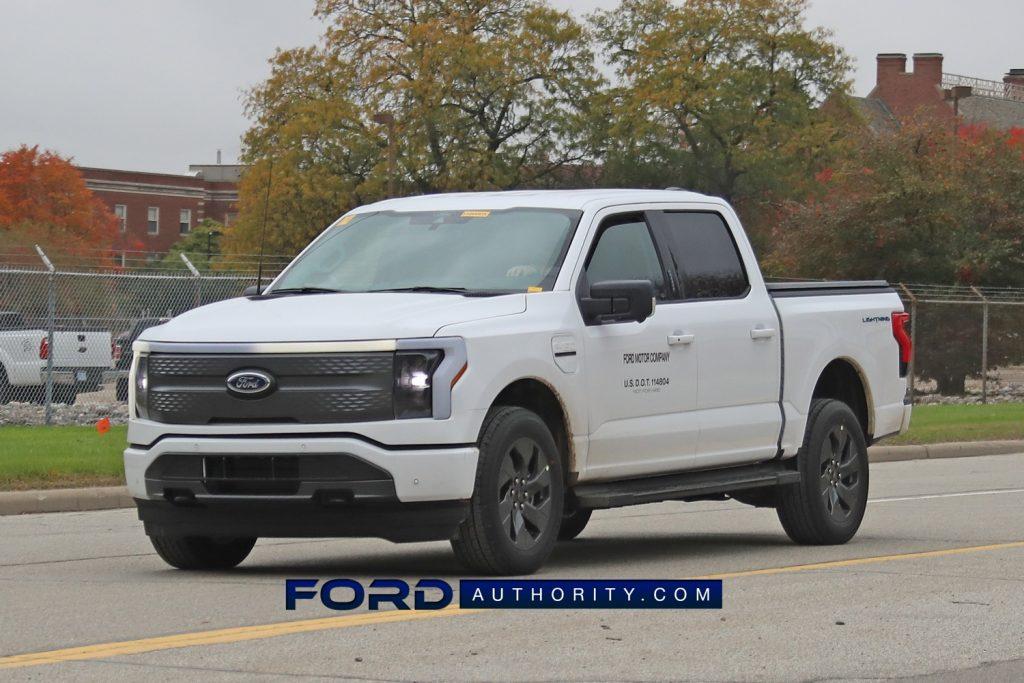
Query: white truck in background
{"points": [[490, 368], [80, 359]]}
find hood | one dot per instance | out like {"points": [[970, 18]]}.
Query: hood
{"points": [[331, 317]]}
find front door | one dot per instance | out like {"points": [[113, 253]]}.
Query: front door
{"points": [[641, 378]]}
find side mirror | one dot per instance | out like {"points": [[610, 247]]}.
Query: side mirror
{"points": [[618, 301], [251, 290]]}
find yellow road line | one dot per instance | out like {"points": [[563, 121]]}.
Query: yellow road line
{"points": [[219, 636], [243, 633], [864, 560]]}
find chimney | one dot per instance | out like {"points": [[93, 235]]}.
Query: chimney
{"points": [[218, 157], [928, 66], [891, 65]]}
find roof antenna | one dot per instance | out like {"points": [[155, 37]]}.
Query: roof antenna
{"points": [[263, 229]]}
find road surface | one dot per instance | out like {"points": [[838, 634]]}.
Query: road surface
{"points": [[932, 586]]}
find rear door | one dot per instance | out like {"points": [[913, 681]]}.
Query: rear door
{"points": [[726, 308], [641, 378]]}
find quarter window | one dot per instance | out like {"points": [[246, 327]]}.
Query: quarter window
{"points": [[625, 251], [702, 254]]}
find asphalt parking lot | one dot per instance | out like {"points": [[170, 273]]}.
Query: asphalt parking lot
{"points": [[932, 586]]}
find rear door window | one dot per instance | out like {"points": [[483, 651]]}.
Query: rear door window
{"points": [[703, 256]]}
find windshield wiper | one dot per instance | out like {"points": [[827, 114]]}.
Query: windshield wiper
{"points": [[304, 290], [440, 290]]}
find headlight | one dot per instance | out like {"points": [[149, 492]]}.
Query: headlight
{"points": [[142, 386], [414, 377]]}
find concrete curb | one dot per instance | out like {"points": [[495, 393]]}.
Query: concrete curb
{"points": [[111, 497], [966, 449], [64, 500]]}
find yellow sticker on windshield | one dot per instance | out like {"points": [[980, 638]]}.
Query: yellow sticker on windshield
{"points": [[476, 214], [534, 290], [347, 219]]}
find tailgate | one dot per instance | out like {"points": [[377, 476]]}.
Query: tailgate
{"points": [[81, 349]]}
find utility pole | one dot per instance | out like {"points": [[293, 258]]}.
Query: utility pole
{"points": [[386, 118]]}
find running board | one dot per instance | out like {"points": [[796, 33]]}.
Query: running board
{"points": [[685, 485]]}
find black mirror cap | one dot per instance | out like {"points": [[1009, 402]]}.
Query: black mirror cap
{"points": [[619, 301]]}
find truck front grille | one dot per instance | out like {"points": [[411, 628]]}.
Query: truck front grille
{"points": [[309, 388]]}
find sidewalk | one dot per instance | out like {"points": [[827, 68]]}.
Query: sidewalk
{"points": [[110, 497]]}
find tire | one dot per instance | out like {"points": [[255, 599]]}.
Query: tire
{"points": [[122, 389], [574, 521], [195, 552], [827, 506], [65, 394], [6, 390], [515, 511]]}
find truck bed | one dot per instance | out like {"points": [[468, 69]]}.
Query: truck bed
{"points": [[828, 288]]}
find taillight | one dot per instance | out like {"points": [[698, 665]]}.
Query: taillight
{"points": [[44, 348], [899, 332], [115, 350]]}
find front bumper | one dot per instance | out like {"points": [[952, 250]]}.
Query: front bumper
{"points": [[439, 473]]}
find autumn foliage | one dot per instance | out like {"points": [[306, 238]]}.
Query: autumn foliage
{"points": [[44, 201]]}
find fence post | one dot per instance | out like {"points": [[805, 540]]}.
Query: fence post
{"points": [[195, 274], [51, 315], [984, 344], [913, 338]]}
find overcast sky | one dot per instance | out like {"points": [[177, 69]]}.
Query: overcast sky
{"points": [[149, 85]]}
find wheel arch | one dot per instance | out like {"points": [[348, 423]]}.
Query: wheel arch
{"points": [[844, 380], [540, 397]]}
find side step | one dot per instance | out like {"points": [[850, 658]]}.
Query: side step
{"points": [[684, 485]]}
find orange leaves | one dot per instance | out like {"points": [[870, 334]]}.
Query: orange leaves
{"points": [[44, 200]]}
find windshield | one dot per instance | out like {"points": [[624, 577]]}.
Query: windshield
{"points": [[481, 252]]}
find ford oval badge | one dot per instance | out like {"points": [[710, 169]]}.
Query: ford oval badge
{"points": [[250, 383]]}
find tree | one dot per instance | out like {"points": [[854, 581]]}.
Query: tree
{"points": [[919, 205], [429, 95], [721, 96], [201, 246], [44, 200]]}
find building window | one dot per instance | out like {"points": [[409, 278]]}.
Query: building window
{"points": [[185, 221], [153, 224], [121, 211]]}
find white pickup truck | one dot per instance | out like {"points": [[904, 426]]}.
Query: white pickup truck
{"points": [[489, 368], [79, 359]]}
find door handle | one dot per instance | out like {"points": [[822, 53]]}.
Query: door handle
{"points": [[762, 333], [680, 339]]}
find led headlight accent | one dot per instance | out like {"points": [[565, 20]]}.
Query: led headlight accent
{"points": [[414, 373], [142, 386]]}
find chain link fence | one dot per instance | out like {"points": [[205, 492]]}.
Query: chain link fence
{"points": [[66, 335]]}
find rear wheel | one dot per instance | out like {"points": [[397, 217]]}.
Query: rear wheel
{"points": [[516, 506], [195, 552], [6, 390], [122, 389], [828, 504]]}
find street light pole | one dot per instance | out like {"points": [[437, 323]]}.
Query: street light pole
{"points": [[388, 119]]}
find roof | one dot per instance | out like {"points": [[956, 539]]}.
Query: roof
{"points": [[876, 113], [555, 199], [1002, 114]]}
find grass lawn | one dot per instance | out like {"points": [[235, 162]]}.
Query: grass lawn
{"points": [[55, 457], [941, 423]]}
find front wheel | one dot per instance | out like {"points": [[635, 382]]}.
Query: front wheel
{"points": [[516, 508], [197, 552], [827, 506]]}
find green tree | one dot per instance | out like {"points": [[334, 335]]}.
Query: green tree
{"points": [[721, 96], [429, 95], [201, 246]]}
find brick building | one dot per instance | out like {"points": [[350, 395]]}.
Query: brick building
{"points": [[157, 209], [930, 91]]}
